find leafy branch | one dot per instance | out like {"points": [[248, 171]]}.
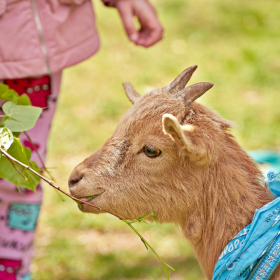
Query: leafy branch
{"points": [[15, 163], [80, 202], [10, 158], [19, 116]]}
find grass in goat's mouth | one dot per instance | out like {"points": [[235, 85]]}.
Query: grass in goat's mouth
{"points": [[91, 197], [88, 199]]}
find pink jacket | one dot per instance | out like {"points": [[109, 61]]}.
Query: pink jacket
{"points": [[44, 36]]}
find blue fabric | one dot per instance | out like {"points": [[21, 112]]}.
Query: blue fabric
{"points": [[269, 160], [254, 252]]}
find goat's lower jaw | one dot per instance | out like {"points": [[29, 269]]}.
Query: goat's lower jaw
{"points": [[90, 209]]}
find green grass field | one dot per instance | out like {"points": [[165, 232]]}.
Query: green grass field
{"points": [[236, 45]]}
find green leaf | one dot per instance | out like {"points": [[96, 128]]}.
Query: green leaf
{"points": [[140, 219], [6, 138], [79, 204], [8, 94], [16, 134], [20, 118], [23, 100], [91, 197], [9, 173]]}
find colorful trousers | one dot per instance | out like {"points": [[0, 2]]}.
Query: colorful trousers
{"points": [[19, 210]]}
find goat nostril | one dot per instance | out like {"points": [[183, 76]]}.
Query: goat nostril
{"points": [[74, 181]]}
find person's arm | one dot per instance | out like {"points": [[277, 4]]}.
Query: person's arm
{"points": [[150, 32]]}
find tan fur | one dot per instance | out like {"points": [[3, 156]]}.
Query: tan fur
{"points": [[202, 180]]}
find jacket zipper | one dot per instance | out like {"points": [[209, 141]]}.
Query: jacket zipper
{"points": [[41, 37]]}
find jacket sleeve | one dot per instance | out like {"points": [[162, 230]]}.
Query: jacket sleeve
{"points": [[2, 7], [71, 2]]}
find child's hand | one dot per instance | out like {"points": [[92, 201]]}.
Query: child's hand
{"points": [[151, 30]]}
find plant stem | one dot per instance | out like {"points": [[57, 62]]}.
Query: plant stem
{"points": [[36, 151], [9, 157], [10, 160], [147, 245]]}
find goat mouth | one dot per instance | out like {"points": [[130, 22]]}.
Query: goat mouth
{"points": [[91, 197], [84, 206]]}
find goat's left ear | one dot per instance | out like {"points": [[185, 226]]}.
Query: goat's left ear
{"points": [[131, 93], [183, 137]]}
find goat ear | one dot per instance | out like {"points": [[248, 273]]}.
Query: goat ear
{"points": [[191, 93], [131, 93], [180, 82], [182, 135]]}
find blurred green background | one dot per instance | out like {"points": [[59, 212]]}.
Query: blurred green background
{"points": [[236, 45]]}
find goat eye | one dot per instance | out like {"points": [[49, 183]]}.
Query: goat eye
{"points": [[151, 152]]}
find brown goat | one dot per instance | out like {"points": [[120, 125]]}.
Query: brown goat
{"points": [[177, 158]]}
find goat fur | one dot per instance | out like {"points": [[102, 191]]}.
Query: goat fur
{"points": [[202, 180]]}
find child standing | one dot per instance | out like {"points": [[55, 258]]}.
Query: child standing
{"points": [[38, 39]]}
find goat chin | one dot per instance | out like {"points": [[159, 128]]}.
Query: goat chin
{"points": [[90, 209]]}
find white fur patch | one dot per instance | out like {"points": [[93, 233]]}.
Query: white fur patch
{"points": [[188, 127], [112, 160]]}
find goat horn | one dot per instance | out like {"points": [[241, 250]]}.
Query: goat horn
{"points": [[130, 92], [191, 93], [180, 82]]}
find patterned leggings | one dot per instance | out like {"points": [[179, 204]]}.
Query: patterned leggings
{"points": [[19, 211]]}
